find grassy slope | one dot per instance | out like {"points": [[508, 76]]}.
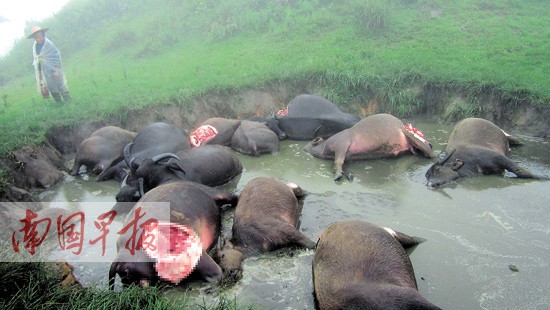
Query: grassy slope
{"points": [[129, 58]]}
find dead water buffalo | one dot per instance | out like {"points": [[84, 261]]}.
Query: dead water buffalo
{"points": [[211, 165], [208, 165], [310, 116], [476, 147], [358, 265], [102, 149], [254, 138], [181, 241], [216, 130], [151, 140], [377, 136], [265, 219]]}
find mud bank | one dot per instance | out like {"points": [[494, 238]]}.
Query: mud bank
{"points": [[33, 168]]}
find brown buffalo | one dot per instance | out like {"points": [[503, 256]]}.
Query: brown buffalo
{"points": [[358, 265], [377, 136], [102, 149], [62, 272], [265, 219], [194, 224]]}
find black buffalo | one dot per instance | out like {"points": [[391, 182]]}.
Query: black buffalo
{"points": [[310, 116], [254, 138], [215, 130], [476, 147], [207, 165], [151, 140], [211, 165]]}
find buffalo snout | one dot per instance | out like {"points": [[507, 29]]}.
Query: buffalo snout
{"points": [[230, 260], [137, 273], [438, 175]]}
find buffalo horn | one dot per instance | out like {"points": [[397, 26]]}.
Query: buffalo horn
{"points": [[444, 159], [141, 192], [162, 156], [124, 181], [127, 153], [132, 162]]}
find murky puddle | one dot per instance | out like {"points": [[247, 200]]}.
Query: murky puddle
{"points": [[475, 228]]}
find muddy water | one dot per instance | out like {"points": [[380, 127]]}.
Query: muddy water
{"points": [[475, 228]]}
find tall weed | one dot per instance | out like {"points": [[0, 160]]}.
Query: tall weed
{"points": [[373, 16]]}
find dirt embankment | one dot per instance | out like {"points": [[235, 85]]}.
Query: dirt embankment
{"points": [[33, 168]]}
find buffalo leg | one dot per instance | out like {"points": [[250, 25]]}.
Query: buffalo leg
{"points": [[298, 238], [520, 172]]}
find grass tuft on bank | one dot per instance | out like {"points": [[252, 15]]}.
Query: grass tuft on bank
{"points": [[30, 282], [27, 282]]}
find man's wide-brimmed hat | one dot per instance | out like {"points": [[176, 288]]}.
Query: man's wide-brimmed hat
{"points": [[36, 29]]}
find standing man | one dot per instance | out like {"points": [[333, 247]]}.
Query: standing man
{"points": [[48, 70]]}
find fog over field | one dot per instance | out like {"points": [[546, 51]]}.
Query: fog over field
{"points": [[15, 15]]}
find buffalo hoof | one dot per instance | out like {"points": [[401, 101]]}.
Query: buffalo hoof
{"points": [[339, 176]]}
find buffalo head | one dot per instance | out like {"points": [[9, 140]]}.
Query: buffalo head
{"points": [[444, 171], [159, 169], [131, 190], [272, 123], [135, 272], [230, 260], [146, 175]]}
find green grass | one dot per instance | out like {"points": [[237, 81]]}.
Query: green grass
{"points": [[134, 55], [28, 283], [33, 289]]}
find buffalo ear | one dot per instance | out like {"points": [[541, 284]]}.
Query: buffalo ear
{"points": [[458, 164], [174, 165]]}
